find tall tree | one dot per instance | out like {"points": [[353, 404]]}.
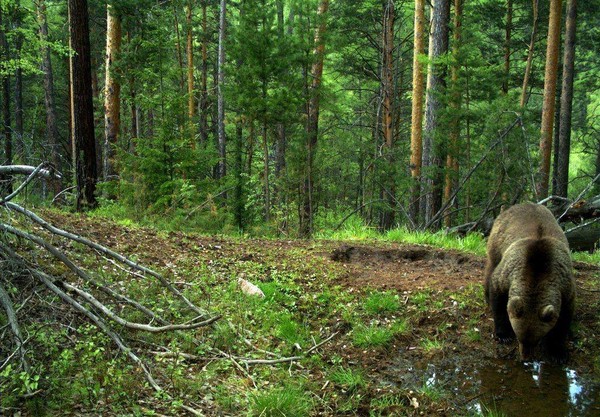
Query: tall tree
{"points": [[436, 80], [190, 69], [507, 44], [550, 79], [221, 168], [112, 92], [416, 131], [532, 39], [6, 185], [566, 102], [204, 77], [51, 123], [387, 113], [312, 123], [18, 72], [455, 104], [82, 106]]}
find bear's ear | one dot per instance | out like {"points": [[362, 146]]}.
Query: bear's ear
{"points": [[547, 313], [515, 307]]}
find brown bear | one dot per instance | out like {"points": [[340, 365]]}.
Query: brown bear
{"points": [[529, 283]]}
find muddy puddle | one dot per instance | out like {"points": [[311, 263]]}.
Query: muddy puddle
{"points": [[504, 387]]}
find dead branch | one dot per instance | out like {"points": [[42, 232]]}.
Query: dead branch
{"points": [[42, 170], [105, 251], [14, 325], [132, 325]]}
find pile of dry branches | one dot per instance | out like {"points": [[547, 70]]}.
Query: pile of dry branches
{"points": [[21, 253]]}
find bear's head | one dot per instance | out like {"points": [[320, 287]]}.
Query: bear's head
{"points": [[531, 320]]}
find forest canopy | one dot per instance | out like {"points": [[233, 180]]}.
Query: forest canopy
{"points": [[290, 117]]}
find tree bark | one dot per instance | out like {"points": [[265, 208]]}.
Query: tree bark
{"points": [[6, 181], [204, 79], [82, 106], [416, 131], [52, 137], [550, 79], [312, 124], [455, 104], [387, 114], [190, 71], [221, 168], [529, 54], [566, 101], [431, 188], [112, 92], [507, 39], [18, 76]]}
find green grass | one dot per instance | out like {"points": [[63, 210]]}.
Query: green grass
{"points": [[376, 335], [379, 302], [280, 402], [349, 379], [430, 345]]}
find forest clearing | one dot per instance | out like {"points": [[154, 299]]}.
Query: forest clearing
{"points": [[401, 329], [279, 207]]}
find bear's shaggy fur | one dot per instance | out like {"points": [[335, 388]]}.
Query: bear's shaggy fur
{"points": [[529, 283]]}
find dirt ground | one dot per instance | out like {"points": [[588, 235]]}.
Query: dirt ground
{"points": [[405, 269]]}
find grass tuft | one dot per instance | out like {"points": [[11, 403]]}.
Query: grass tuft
{"points": [[279, 402]]}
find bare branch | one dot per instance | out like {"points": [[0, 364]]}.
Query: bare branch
{"points": [[27, 169], [14, 325], [104, 250], [132, 325]]}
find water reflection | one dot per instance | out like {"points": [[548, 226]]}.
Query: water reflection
{"points": [[510, 387]]}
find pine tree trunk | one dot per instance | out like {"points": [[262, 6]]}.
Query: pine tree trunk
{"points": [[530, 54], [312, 124], [221, 169], [190, 72], [6, 181], [112, 93], [387, 114], [507, 39], [51, 126], [431, 161], [566, 101], [550, 79], [416, 131], [267, 187], [82, 106], [204, 79], [455, 104]]}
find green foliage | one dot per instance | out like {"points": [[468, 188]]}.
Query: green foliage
{"points": [[377, 335], [291, 401], [382, 302], [348, 379]]}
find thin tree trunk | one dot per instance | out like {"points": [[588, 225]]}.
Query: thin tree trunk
{"points": [[18, 76], [507, 39], [431, 161], [239, 202], [267, 187], [550, 79], [221, 170], [312, 125], [82, 106], [529, 54], [416, 131], [204, 79], [6, 185], [51, 126], [112, 93], [566, 103], [387, 114], [190, 72], [455, 104]]}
